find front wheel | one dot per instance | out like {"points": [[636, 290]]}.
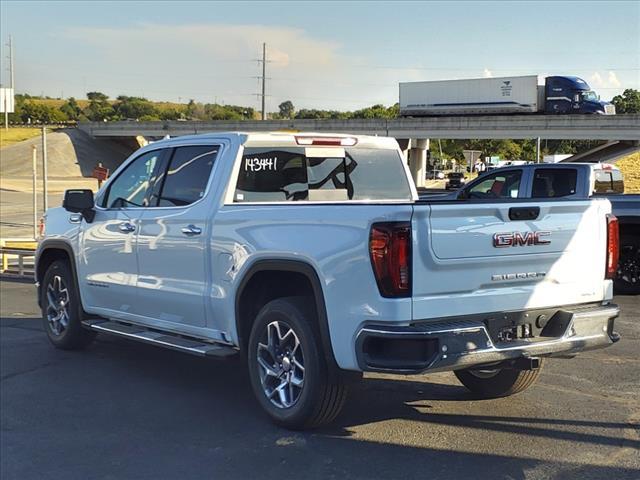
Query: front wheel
{"points": [[497, 382], [61, 309], [289, 373]]}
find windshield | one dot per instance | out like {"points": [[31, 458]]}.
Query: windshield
{"points": [[590, 95]]}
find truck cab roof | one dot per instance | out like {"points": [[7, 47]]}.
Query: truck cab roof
{"points": [[287, 139]]}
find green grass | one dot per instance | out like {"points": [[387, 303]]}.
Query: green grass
{"points": [[17, 134], [630, 168]]}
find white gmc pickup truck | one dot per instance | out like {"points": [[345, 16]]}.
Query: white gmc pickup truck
{"points": [[312, 257]]}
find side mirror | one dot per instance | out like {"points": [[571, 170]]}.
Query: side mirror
{"points": [[80, 201]]}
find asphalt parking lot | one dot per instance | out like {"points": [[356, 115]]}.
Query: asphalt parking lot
{"points": [[126, 410]]}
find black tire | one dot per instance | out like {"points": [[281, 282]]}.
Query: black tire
{"points": [[324, 390], [627, 279], [73, 335], [498, 383]]}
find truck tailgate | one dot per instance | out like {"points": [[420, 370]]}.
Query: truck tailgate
{"points": [[472, 257]]}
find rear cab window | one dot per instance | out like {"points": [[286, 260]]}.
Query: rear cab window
{"points": [[290, 174], [554, 182]]}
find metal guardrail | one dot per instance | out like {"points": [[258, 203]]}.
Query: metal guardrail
{"points": [[17, 257]]}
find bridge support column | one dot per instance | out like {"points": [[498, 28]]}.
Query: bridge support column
{"points": [[418, 160], [404, 144]]}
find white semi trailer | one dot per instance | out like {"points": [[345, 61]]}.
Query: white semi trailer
{"points": [[504, 95]]}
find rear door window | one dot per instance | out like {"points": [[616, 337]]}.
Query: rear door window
{"points": [[287, 174], [554, 182], [187, 176]]}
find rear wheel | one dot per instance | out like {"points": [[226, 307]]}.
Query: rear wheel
{"points": [[497, 382], [627, 280], [61, 309], [289, 373]]}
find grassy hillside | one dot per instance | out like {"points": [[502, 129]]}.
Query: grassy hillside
{"points": [[630, 167], [57, 103], [17, 134]]}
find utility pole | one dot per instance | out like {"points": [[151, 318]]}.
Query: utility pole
{"points": [[264, 71], [45, 201], [263, 78], [11, 61], [35, 193], [11, 86]]}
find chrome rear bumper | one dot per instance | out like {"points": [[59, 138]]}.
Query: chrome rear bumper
{"points": [[459, 344]]}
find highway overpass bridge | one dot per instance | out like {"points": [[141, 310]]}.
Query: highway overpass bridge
{"points": [[566, 127], [413, 134]]}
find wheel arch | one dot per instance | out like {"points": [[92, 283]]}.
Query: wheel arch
{"points": [[48, 252], [277, 268]]}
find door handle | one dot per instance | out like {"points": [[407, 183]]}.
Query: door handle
{"points": [[191, 230], [524, 213], [126, 227]]}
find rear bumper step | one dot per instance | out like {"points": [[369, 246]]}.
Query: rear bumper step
{"points": [[161, 339], [460, 344]]}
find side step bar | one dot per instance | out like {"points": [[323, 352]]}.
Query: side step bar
{"points": [[161, 339]]}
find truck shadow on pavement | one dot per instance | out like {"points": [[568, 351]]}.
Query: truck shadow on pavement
{"points": [[194, 415], [403, 399]]}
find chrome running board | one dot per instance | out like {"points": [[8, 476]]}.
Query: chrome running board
{"points": [[161, 339]]}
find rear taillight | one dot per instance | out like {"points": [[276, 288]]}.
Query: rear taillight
{"points": [[613, 246], [390, 252]]}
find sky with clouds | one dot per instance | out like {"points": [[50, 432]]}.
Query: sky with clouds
{"points": [[338, 55]]}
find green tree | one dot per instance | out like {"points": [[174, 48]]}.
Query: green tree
{"points": [[33, 112], [99, 108], [134, 108], [71, 109], [287, 110], [97, 97], [195, 111], [628, 102], [508, 149], [171, 114]]}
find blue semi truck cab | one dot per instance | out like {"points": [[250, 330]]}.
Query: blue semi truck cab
{"points": [[564, 94]]}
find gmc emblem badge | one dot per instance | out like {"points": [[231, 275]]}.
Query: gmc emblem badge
{"points": [[518, 239]]}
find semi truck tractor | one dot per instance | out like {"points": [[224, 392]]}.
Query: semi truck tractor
{"points": [[505, 95]]}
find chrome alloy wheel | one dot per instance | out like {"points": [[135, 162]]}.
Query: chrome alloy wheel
{"points": [[57, 305], [281, 364]]}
